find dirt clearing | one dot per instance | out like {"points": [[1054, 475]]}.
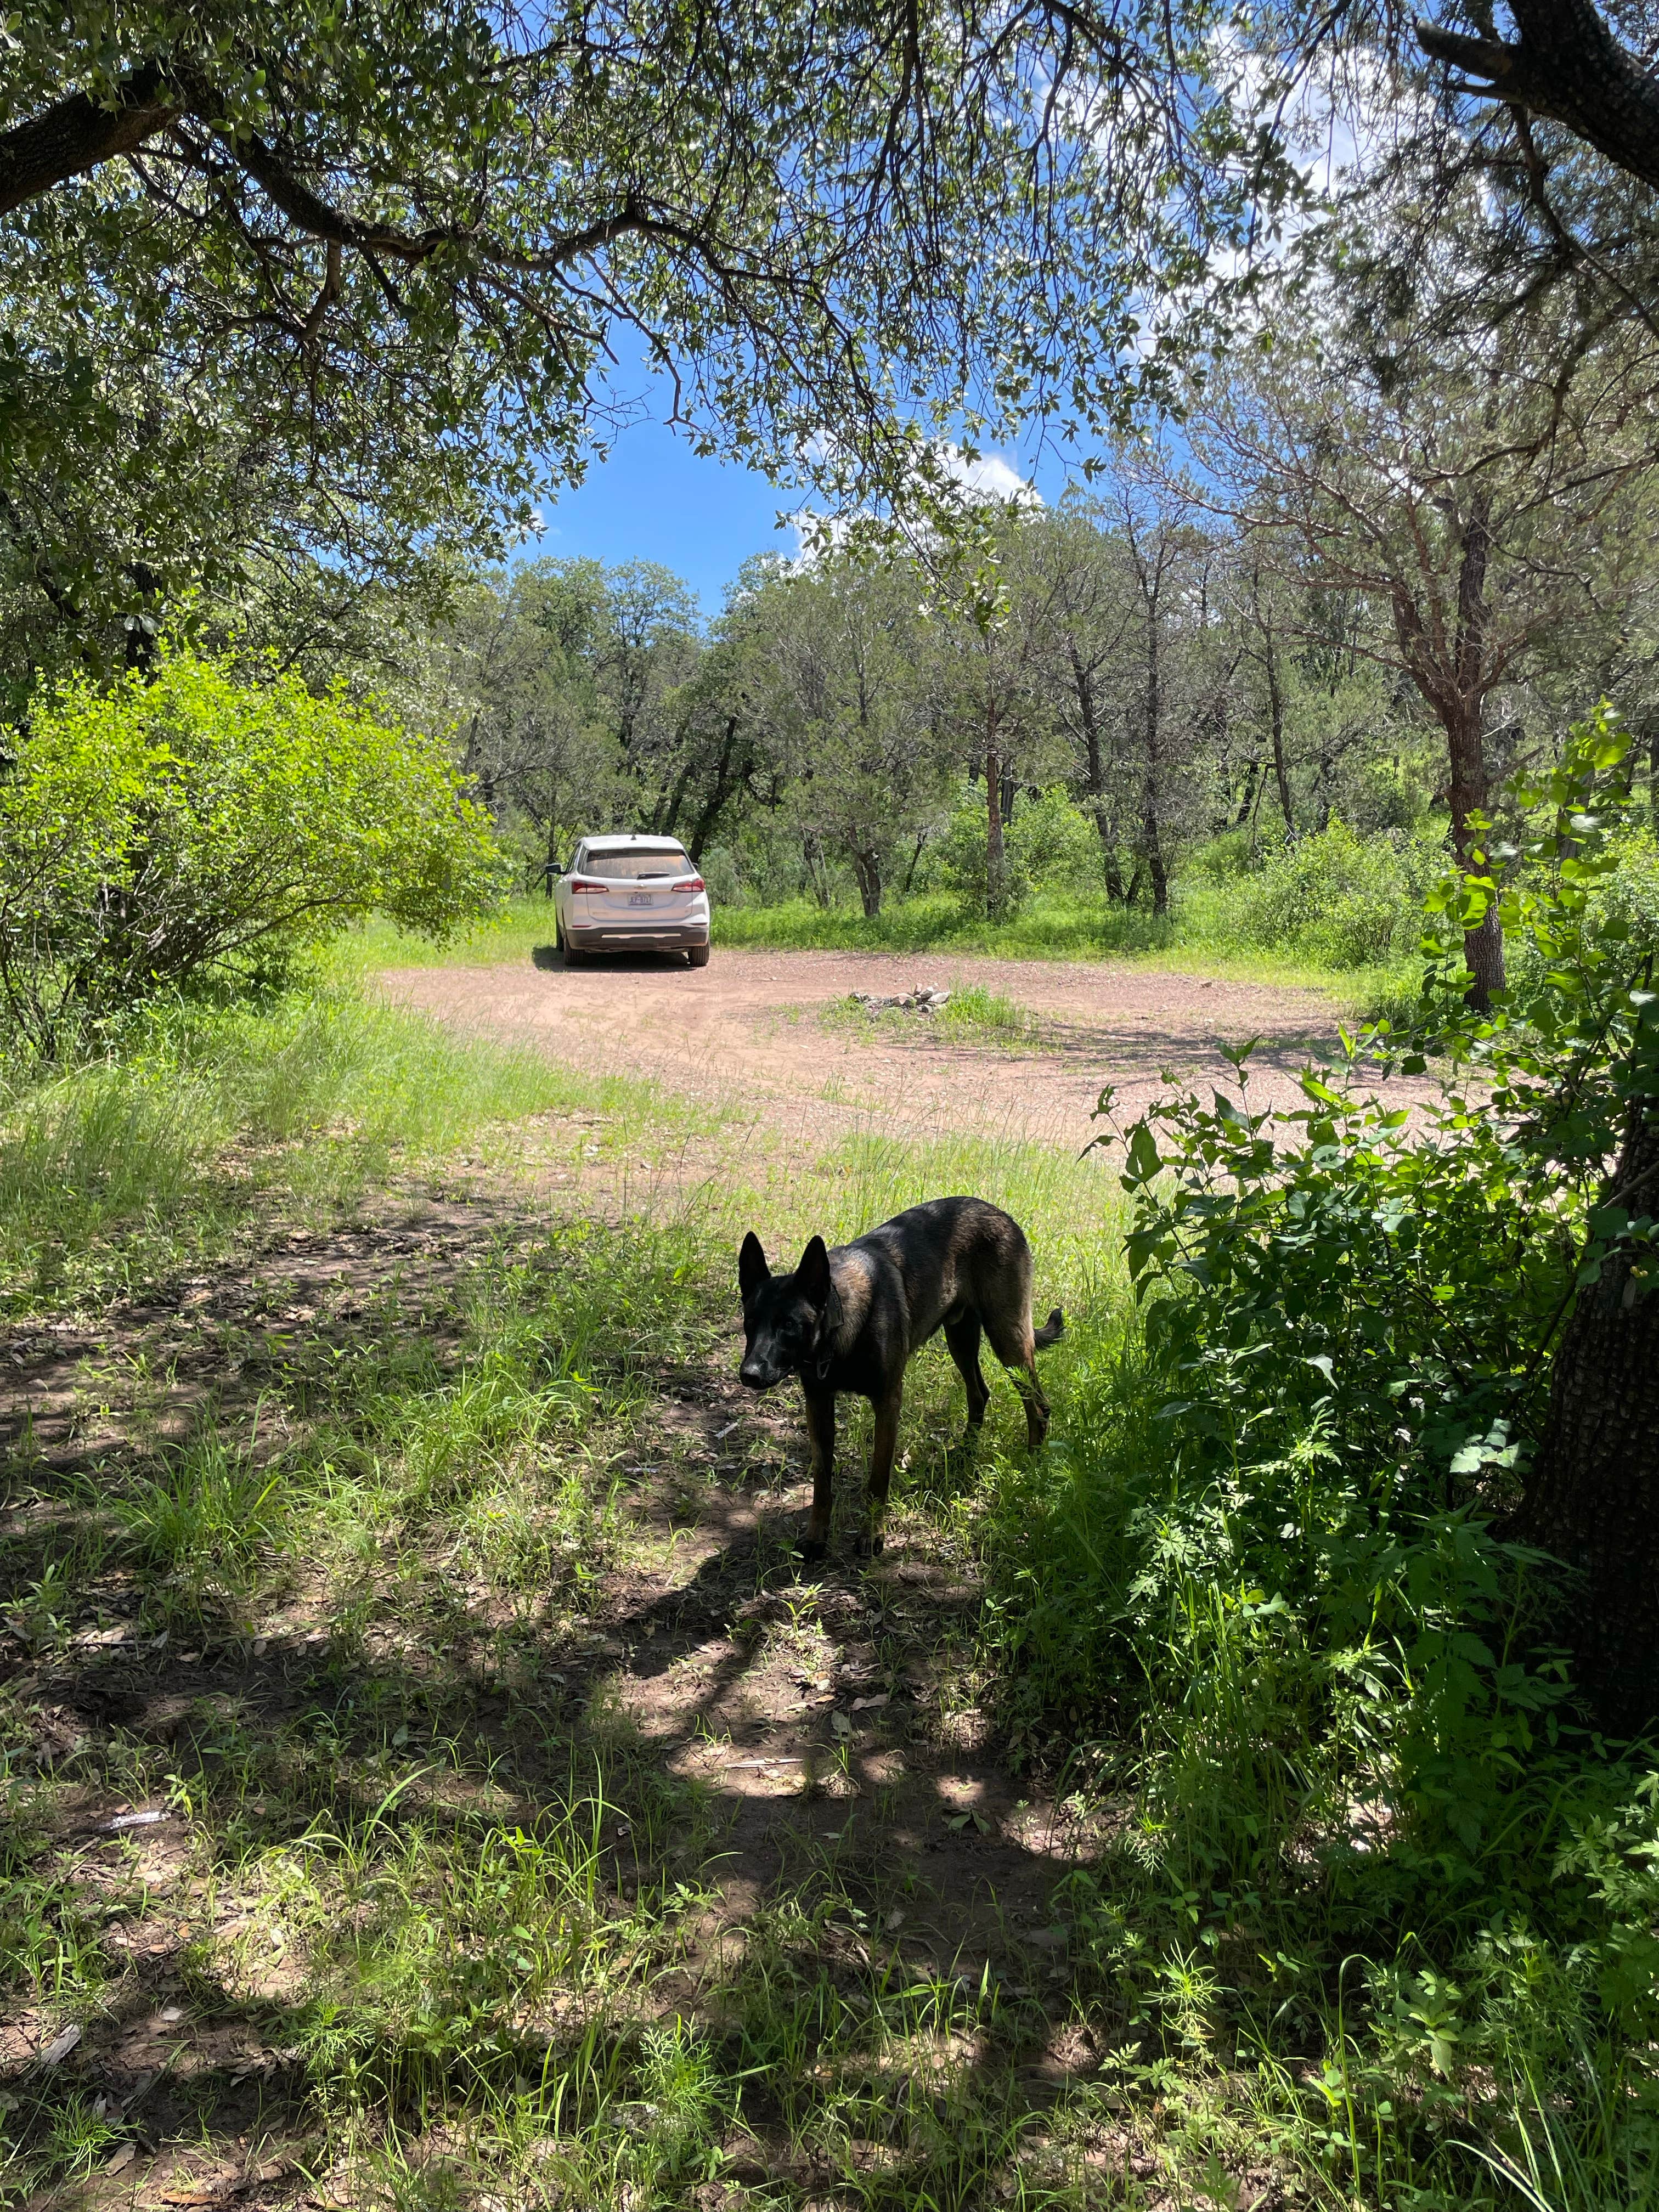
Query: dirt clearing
{"points": [[757, 1031]]}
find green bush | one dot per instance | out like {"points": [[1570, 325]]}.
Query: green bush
{"points": [[160, 832], [1263, 1564], [1339, 899], [1054, 845], [959, 863]]}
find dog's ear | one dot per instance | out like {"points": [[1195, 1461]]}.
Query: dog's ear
{"points": [[752, 1270], [812, 1278], [819, 1285]]}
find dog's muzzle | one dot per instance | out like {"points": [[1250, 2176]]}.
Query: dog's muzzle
{"points": [[755, 1374]]}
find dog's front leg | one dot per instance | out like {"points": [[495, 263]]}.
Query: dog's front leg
{"points": [[881, 1468], [821, 1428]]}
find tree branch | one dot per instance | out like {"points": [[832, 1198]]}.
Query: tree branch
{"points": [[1568, 67], [77, 133]]}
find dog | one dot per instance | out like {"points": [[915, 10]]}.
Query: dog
{"points": [[850, 1320]]}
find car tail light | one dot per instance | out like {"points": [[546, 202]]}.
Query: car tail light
{"points": [[586, 884], [690, 884]]}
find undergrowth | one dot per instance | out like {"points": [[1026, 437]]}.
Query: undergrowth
{"points": [[116, 1172], [1367, 1919]]}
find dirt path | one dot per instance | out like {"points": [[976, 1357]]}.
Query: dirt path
{"points": [[748, 1030]]}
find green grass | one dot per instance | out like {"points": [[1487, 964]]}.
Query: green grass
{"points": [[971, 1015], [446, 1926], [115, 1173]]}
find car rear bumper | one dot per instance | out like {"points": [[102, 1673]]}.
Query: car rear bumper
{"points": [[638, 937]]}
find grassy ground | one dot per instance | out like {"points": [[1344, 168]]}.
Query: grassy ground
{"points": [[377, 1484]]}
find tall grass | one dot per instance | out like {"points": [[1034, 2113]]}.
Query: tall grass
{"points": [[114, 1169]]}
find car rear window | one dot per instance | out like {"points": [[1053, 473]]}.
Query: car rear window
{"points": [[633, 865]]}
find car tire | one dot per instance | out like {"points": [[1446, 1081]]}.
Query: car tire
{"points": [[698, 955], [572, 959]]}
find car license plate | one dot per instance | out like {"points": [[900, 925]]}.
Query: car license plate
{"points": [[639, 898]]}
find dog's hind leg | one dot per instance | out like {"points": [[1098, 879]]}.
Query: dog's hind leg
{"points": [[821, 1428], [963, 1338], [1015, 1345], [881, 1468]]}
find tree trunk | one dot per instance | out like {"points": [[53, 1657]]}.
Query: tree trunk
{"points": [[729, 772], [996, 866], [1095, 774], [1483, 946], [866, 867], [1592, 1496], [1456, 693], [1247, 798], [1152, 845], [1276, 726], [1152, 850], [816, 875]]}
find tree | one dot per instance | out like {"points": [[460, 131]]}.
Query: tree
{"points": [[518, 686], [1455, 484], [837, 675], [379, 264], [1087, 620], [1565, 66], [156, 831]]}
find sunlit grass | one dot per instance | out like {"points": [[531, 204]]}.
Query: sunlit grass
{"points": [[116, 1171]]}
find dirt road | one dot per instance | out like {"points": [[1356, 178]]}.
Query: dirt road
{"points": [[750, 1029]]}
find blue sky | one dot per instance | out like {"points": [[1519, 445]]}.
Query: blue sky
{"points": [[656, 499]]}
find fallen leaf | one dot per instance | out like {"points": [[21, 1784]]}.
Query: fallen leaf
{"points": [[869, 1705], [841, 1725], [60, 2046], [123, 2158]]}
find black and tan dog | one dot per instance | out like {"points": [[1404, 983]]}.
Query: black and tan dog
{"points": [[850, 1319]]}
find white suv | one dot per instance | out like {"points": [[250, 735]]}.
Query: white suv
{"points": [[631, 894]]}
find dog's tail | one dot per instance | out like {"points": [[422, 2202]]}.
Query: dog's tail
{"points": [[1051, 1331]]}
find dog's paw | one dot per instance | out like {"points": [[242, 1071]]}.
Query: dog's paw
{"points": [[870, 1548], [811, 1553]]}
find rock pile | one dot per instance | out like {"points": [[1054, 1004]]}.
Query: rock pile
{"points": [[913, 1002]]}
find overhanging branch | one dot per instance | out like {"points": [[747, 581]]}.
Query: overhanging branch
{"points": [[78, 133], [1566, 66]]}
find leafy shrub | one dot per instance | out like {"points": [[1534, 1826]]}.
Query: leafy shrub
{"points": [[1340, 899], [1264, 1564], [959, 862], [1048, 846], [157, 832], [1629, 894], [1054, 845]]}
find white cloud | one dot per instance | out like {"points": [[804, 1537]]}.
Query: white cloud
{"points": [[981, 476]]}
